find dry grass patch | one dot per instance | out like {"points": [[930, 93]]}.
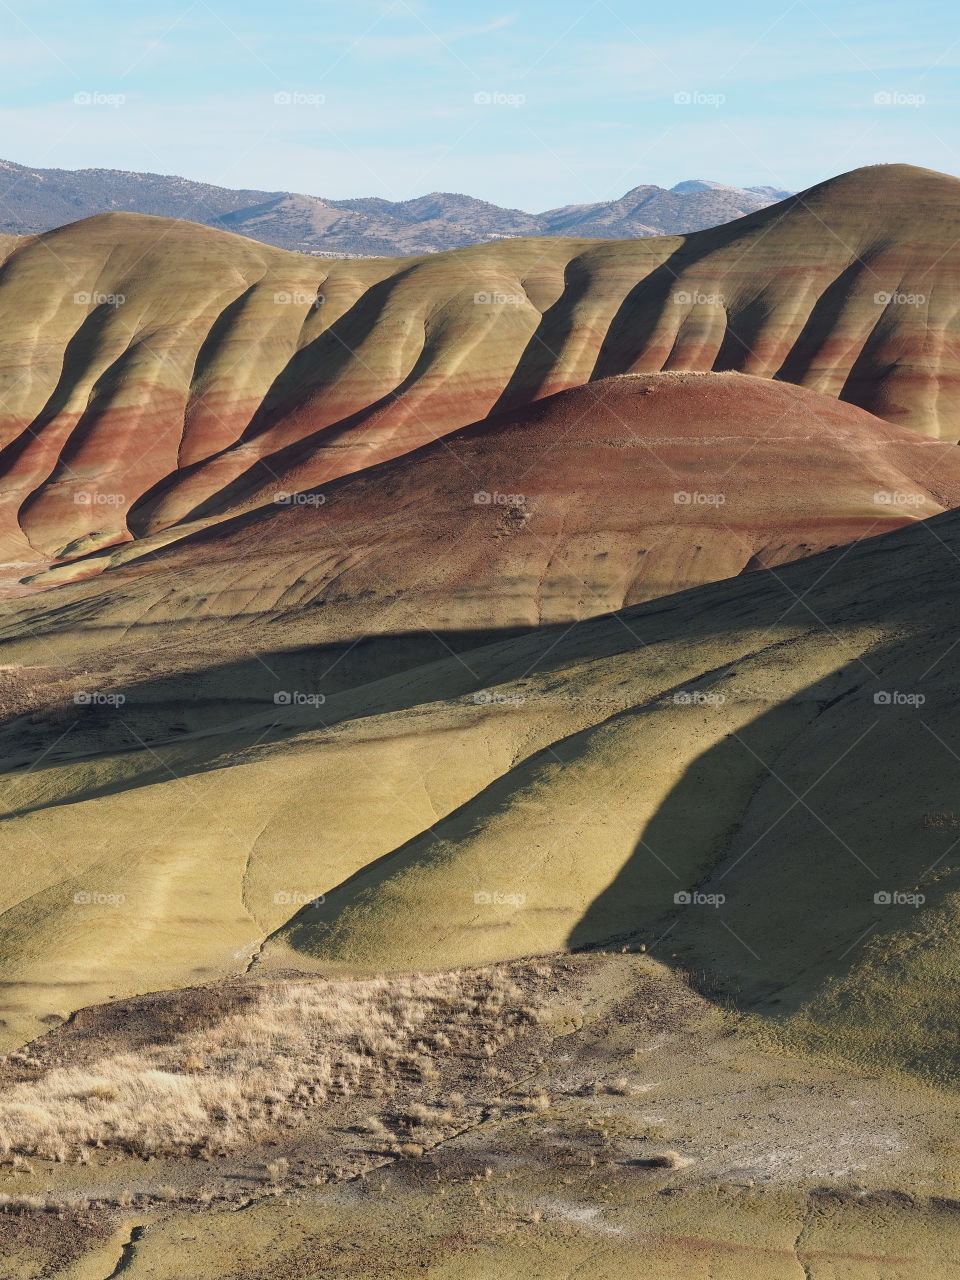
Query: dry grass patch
{"points": [[263, 1066], [43, 1204], [665, 1160]]}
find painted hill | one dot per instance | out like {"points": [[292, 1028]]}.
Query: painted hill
{"points": [[596, 497], [42, 199], [156, 373], [462, 732], [173, 819]]}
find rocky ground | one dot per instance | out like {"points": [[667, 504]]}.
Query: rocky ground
{"points": [[626, 1120]]}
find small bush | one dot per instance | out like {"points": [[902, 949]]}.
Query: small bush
{"points": [[664, 1160]]}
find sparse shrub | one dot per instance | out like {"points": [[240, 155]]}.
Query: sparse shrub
{"points": [[420, 1114], [101, 1091], [374, 1125], [665, 1160], [282, 1051]]}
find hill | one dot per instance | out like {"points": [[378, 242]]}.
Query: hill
{"points": [[459, 795], [599, 496], [157, 373], [480, 737]]}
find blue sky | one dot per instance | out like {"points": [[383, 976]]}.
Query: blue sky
{"points": [[533, 105]]}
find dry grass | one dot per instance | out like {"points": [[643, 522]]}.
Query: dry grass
{"points": [[665, 1160], [264, 1066], [43, 1204]]}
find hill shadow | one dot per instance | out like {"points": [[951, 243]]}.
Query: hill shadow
{"points": [[199, 707], [799, 875]]}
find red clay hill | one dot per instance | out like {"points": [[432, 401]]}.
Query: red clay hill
{"points": [[597, 497], [154, 372]]}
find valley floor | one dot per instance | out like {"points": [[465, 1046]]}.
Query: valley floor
{"points": [[597, 1118]]}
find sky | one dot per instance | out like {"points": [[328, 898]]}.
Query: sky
{"points": [[530, 105]]}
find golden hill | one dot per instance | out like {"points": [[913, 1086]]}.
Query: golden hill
{"points": [[553, 788]]}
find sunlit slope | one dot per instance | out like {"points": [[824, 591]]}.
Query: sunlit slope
{"points": [[155, 372], [800, 782], [556, 788]]}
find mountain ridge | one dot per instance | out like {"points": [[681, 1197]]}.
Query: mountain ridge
{"points": [[43, 199]]}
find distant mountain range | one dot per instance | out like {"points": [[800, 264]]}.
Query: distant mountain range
{"points": [[33, 200]]}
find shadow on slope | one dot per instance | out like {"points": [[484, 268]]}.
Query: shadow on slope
{"points": [[803, 806], [827, 895]]}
